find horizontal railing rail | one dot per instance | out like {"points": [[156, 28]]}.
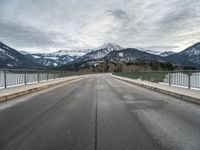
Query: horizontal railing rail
{"points": [[185, 78], [15, 77]]}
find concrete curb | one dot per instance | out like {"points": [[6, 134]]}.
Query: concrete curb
{"points": [[31, 90], [160, 90]]}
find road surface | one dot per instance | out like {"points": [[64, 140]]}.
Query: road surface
{"points": [[99, 113]]}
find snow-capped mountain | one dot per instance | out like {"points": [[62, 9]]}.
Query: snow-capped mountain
{"points": [[193, 50], [132, 55], [57, 58], [127, 56], [53, 54], [108, 47], [100, 52], [190, 56], [163, 54], [54, 59], [72, 53], [11, 58]]}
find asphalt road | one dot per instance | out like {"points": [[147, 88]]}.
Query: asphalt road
{"points": [[99, 113]]}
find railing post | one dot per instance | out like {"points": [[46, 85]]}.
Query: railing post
{"points": [[189, 81], [169, 79], [38, 77], [156, 77], [5, 83], [25, 82], [47, 76]]}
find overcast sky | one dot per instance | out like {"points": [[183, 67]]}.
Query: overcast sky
{"points": [[41, 25]]}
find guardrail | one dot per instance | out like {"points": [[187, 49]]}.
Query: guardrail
{"points": [[189, 79], [14, 77]]}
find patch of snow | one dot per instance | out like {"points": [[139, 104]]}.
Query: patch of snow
{"points": [[53, 58], [55, 64], [10, 65], [35, 56], [121, 54]]}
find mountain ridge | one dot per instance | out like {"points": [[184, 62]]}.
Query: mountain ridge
{"points": [[100, 52], [11, 58], [189, 56]]}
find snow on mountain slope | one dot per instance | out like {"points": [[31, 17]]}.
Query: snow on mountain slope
{"points": [[128, 56], [11, 58], [53, 59], [49, 59], [100, 52], [132, 55], [53, 54], [160, 53], [189, 57], [194, 50], [62, 57], [71, 53], [107, 52]]}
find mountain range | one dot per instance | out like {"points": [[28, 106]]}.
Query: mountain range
{"points": [[50, 60], [70, 59], [11, 58], [188, 57]]}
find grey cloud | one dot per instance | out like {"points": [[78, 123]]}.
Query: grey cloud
{"points": [[157, 24], [181, 13], [118, 13], [25, 35]]}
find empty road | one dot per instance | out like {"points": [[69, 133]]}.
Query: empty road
{"points": [[99, 112]]}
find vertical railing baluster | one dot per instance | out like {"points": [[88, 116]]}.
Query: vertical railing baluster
{"points": [[189, 81], [169, 78], [5, 82], [38, 77], [25, 82], [47, 76]]}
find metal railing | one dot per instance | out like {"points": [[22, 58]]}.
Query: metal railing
{"points": [[189, 79], [16, 77]]}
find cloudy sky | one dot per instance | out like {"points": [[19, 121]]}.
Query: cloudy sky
{"points": [[35, 25]]}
